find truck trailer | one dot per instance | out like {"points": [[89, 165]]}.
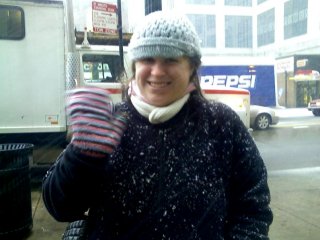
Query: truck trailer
{"points": [[256, 74], [38, 67]]}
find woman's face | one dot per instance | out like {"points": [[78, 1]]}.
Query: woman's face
{"points": [[162, 81]]}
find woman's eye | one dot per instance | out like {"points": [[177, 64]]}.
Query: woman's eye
{"points": [[171, 60], [147, 60]]}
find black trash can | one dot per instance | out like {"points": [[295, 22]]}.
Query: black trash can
{"points": [[15, 191]]}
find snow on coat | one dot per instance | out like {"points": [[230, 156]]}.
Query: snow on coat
{"points": [[197, 176]]}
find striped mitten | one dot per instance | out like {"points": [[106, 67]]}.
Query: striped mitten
{"points": [[96, 129]]}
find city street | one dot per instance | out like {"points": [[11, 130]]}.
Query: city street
{"points": [[291, 152], [292, 143]]}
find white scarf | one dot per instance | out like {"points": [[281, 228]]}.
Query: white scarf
{"points": [[156, 114]]}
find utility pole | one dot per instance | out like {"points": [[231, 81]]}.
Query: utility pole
{"points": [[120, 34], [152, 6], [286, 87]]}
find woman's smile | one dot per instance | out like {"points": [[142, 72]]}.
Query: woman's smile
{"points": [[156, 84]]}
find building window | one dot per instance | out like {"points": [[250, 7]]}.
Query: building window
{"points": [[239, 3], [261, 1], [203, 2], [238, 31], [11, 23], [295, 18], [265, 27], [206, 28]]}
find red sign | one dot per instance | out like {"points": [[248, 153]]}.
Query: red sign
{"points": [[104, 17]]}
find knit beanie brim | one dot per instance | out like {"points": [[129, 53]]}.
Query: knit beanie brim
{"points": [[164, 34], [161, 47]]}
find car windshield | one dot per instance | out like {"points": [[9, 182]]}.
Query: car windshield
{"points": [[264, 54]]}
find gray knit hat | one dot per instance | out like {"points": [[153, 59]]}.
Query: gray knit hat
{"points": [[164, 34]]}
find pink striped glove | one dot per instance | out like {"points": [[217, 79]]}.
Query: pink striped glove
{"points": [[96, 129]]}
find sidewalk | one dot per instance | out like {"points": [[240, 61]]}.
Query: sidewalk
{"points": [[44, 226], [295, 201]]}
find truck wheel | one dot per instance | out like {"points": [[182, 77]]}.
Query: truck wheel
{"points": [[262, 122], [316, 112]]}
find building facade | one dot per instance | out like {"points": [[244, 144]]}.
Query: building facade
{"points": [[286, 30]]}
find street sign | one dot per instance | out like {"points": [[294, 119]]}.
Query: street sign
{"points": [[104, 17]]}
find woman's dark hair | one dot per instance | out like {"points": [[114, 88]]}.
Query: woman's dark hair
{"points": [[195, 62]]}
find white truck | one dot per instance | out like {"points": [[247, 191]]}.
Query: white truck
{"points": [[37, 67], [32, 68]]}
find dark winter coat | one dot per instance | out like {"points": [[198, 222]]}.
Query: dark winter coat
{"points": [[197, 176]]}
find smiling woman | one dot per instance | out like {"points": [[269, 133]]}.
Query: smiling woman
{"points": [[149, 156], [169, 164]]}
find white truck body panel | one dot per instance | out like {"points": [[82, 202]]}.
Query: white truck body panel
{"points": [[32, 75], [34, 70], [237, 99]]}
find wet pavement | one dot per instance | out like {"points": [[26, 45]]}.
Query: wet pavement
{"points": [[295, 201], [44, 226]]}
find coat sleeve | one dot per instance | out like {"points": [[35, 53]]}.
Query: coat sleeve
{"points": [[249, 215], [70, 185]]}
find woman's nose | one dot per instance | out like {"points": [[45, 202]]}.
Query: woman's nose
{"points": [[158, 68]]}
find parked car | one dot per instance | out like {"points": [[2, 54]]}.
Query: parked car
{"points": [[262, 117], [314, 106]]}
